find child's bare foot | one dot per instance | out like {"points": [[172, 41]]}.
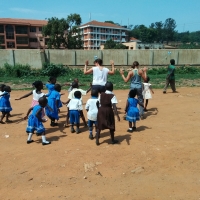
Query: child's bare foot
{"points": [[1, 122], [8, 121]]}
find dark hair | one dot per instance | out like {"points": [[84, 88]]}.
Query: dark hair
{"points": [[57, 87], [7, 88], [77, 94], [2, 87], [109, 86], [43, 101], [135, 64], [52, 78], [148, 78], [75, 84], [172, 61], [94, 93], [132, 93], [37, 84], [99, 61]]}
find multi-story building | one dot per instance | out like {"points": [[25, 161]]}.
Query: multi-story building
{"points": [[21, 33], [94, 34]]}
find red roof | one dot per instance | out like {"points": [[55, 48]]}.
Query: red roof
{"points": [[30, 22], [96, 23]]}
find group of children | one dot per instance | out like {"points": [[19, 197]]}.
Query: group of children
{"points": [[101, 108]]}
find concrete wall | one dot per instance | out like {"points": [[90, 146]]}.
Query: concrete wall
{"points": [[35, 57]]}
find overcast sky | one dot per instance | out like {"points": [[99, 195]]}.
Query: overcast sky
{"points": [[186, 13]]}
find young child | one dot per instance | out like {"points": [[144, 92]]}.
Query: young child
{"points": [[5, 106], [131, 110], [75, 106], [75, 87], [92, 110], [2, 88], [70, 84], [147, 90], [105, 116], [53, 102], [35, 121], [51, 86]]}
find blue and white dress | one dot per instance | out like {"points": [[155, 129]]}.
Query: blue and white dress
{"points": [[132, 114], [33, 122], [52, 99], [51, 87], [5, 102]]}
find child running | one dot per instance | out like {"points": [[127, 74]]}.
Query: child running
{"points": [[75, 106], [147, 90], [92, 110], [53, 102], [105, 116], [5, 106], [35, 121], [131, 110]]}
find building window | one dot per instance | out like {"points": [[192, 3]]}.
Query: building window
{"points": [[41, 39], [33, 29], [40, 29], [2, 41], [10, 45], [33, 40], [22, 40], [9, 32], [1, 29], [21, 29]]}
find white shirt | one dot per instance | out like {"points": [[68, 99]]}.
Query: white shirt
{"points": [[114, 99], [37, 96], [71, 94], [100, 76], [91, 106], [75, 104]]}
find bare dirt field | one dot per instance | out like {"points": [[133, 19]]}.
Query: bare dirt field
{"points": [[160, 160]]}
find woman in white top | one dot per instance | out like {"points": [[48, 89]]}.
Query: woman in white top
{"points": [[100, 74]]}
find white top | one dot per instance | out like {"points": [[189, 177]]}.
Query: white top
{"points": [[100, 76], [91, 106], [146, 91], [71, 94], [1, 93], [114, 99], [37, 96], [75, 104]]}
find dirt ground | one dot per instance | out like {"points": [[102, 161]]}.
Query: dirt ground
{"points": [[160, 160]]}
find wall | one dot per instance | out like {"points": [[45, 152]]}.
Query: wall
{"points": [[35, 57]]}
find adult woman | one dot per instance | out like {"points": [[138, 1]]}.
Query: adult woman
{"points": [[136, 75], [100, 74]]}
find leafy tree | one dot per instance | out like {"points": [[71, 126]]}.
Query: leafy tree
{"points": [[110, 44], [169, 29], [63, 32], [109, 22]]}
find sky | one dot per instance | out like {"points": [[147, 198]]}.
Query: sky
{"points": [[186, 13]]}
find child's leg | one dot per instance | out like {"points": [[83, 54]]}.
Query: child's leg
{"points": [[83, 117], [97, 137], [130, 127], [53, 122], [146, 103], [72, 128], [7, 116], [77, 128], [29, 139], [90, 124], [67, 117], [2, 116], [44, 141], [112, 134], [134, 126]]}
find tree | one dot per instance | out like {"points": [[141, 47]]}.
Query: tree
{"points": [[110, 44], [111, 22], [63, 32], [169, 29]]}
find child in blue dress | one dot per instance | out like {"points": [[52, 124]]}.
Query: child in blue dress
{"points": [[53, 102], [131, 110], [51, 86], [5, 106], [35, 121], [75, 107]]}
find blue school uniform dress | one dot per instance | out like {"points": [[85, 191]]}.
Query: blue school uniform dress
{"points": [[132, 114], [52, 99], [5, 102], [33, 122], [51, 88]]}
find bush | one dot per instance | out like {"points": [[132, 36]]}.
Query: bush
{"points": [[54, 70]]}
